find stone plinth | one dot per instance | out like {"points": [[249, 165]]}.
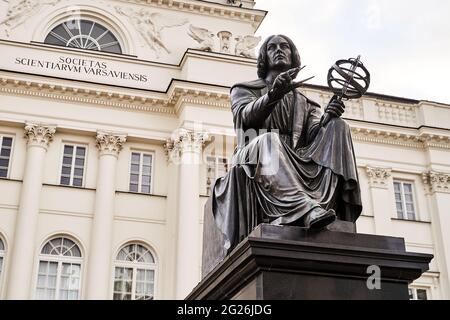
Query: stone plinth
{"points": [[281, 262]]}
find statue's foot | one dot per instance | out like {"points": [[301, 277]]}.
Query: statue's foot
{"points": [[319, 219]]}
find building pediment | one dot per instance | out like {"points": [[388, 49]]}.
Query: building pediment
{"points": [[158, 30]]}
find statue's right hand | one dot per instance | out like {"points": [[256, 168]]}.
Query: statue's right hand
{"points": [[283, 84]]}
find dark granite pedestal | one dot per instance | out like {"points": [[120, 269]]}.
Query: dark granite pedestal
{"points": [[281, 262]]}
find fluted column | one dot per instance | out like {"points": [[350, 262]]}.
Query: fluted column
{"points": [[380, 182], [99, 263], [437, 190], [186, 148], [23, 249]]}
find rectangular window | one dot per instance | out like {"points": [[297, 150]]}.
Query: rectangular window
{"points": [[123, 283], [418, 294], [144, 284], [72, 171], [58, 280], [404, 200], [216, 167], [70, 281], [5, 155], [2, 254], [133, 283], [141, 172], [1, 266], [46, 283]]}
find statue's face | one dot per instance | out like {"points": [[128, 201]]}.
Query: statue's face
{"points": [[279, 54]]}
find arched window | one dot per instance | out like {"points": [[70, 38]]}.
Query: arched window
{"points": [[59, 270], [84, 34], [134, 274], [2, 257]]}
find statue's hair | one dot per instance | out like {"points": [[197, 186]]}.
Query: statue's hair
{"points": [[262, 58]]}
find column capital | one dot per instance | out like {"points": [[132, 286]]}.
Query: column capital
{"points": [[436, 181], [110, 143], [39, 135], [185, 141], [172, 150], [378, 177]]}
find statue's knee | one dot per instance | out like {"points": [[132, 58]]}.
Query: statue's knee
{"points": [[271, 138]]}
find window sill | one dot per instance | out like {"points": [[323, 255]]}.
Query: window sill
{"points": [[416, 221], [65, 186], [142, 194], [8, 179]]}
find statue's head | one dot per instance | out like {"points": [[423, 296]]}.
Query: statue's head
{"points": [[277, 52]]}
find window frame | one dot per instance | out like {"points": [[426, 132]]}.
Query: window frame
{"points": [[72, 165], [135, 266], [414, 292], [59, 260], [3, 266], [8, 169], [141, 164], [216, 173], [113, 30], [414, 199]]}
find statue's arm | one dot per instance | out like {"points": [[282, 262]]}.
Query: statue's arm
{"points": [[314, 120], [249, 110]]}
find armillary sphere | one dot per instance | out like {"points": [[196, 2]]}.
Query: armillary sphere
{"points": [[349, 79]]}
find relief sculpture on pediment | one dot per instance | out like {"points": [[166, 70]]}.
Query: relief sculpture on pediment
{"points": [[150, 25], [20, 10]]}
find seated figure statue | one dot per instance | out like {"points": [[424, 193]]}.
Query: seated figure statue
{"points": [[290, 166]]}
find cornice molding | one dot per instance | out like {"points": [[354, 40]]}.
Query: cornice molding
{"points": [[39, 135], [103, 97], [435, 141], [249, 15], [180, 94], [419, 141], [113, 99]]}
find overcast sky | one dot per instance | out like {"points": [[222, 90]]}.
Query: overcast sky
{"points": [[405, 44]]}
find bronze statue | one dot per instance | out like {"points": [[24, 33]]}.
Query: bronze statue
{"points": [[290, 166]]}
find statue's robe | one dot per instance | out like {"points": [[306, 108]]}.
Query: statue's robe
{"points": [[285, 165]]}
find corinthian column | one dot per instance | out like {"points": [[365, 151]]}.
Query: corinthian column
{"points": [[380, 182], [23, 251], [99, 264], [186, 149], [437, 191]]}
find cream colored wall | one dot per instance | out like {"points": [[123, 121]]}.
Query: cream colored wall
{"points": [[159, 170], [8, 212], [18, 148], [77, 227], [69, 211], [153, 236]]}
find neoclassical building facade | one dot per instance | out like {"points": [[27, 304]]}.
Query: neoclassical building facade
{"points": [[115, 122]]}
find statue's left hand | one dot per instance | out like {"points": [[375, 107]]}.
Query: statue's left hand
{"points": [[335, 108]]}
